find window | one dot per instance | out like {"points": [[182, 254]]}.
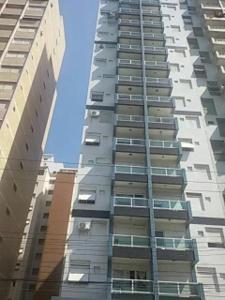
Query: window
{"points": [[186, 144], [209, 106], [193, 43], [205, 57], [87, 196], [79, 271], [187, 20], [200, 71], [97, 96], [48, 203], [221, 126], [213, 88], [215, 237], [218, 148], [14, 187], [35, 271], [50, 192], [43, 228], [45, 215], [92, 140], [198, 31], [41, 241], [21, 165], [38, 256], [52, 181], [41, 172], [27, 147]]}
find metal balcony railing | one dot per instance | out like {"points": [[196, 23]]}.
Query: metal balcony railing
{"points": [[131, 286], [130, 240], [156, 50], [174, 243], [129, 118]]}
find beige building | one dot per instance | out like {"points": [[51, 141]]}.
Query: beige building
{"points": [[41, 254], [31, 47]]}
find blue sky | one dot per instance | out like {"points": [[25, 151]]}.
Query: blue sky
{"points": [[65, 133]]}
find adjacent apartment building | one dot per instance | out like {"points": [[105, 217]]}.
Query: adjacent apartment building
{"points": [[148, 214], [39, 266], [31, 52]]}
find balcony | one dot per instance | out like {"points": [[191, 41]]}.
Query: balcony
{"points": [[169, 177], [179, 290], [154, 123], [220, 57], [163, 208], [136, 23], [218, 44], [137, 49], [137, 35], [130, 246], [156, 147], [144, 288], [176, 249], [151, 82], [135, 287], [160, 176], [144, 2], [133, 11], [159, 104], [216, 31], [172, 209]]}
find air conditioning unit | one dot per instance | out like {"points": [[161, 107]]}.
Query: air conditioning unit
{"points": [[83, 226], [95, 113]]}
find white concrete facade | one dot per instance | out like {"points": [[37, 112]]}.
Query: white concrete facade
{"points": [[148, 213]]}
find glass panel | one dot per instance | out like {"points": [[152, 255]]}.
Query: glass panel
{"points": [[123, 141], [123, 169], [164, 243], [143, 286], [122, 285], [139, 202], [138, 170], [168, 288], [187, 290], [178, 205], [138, 142], [161, 204], [123, 201], [122, 240], [140, 241]]}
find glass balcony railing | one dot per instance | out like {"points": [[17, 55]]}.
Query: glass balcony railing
{"points": [[157, 64], [130, 169], [164, 144], [130, 241], [133, 118], [129, 142], [167, 172], [130, 201], [165, 288], [129, 97], [152, 143], [131, 286], [179, 289], [127, 169], [174, 243], [170, 204], [156, 50], [164, 120]]}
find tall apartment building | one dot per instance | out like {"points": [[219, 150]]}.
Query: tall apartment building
{"points": [[39, 266], [31, 52], [148, 218]]}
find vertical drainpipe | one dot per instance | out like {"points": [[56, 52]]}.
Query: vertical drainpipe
{"points": [[153, 251]]}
